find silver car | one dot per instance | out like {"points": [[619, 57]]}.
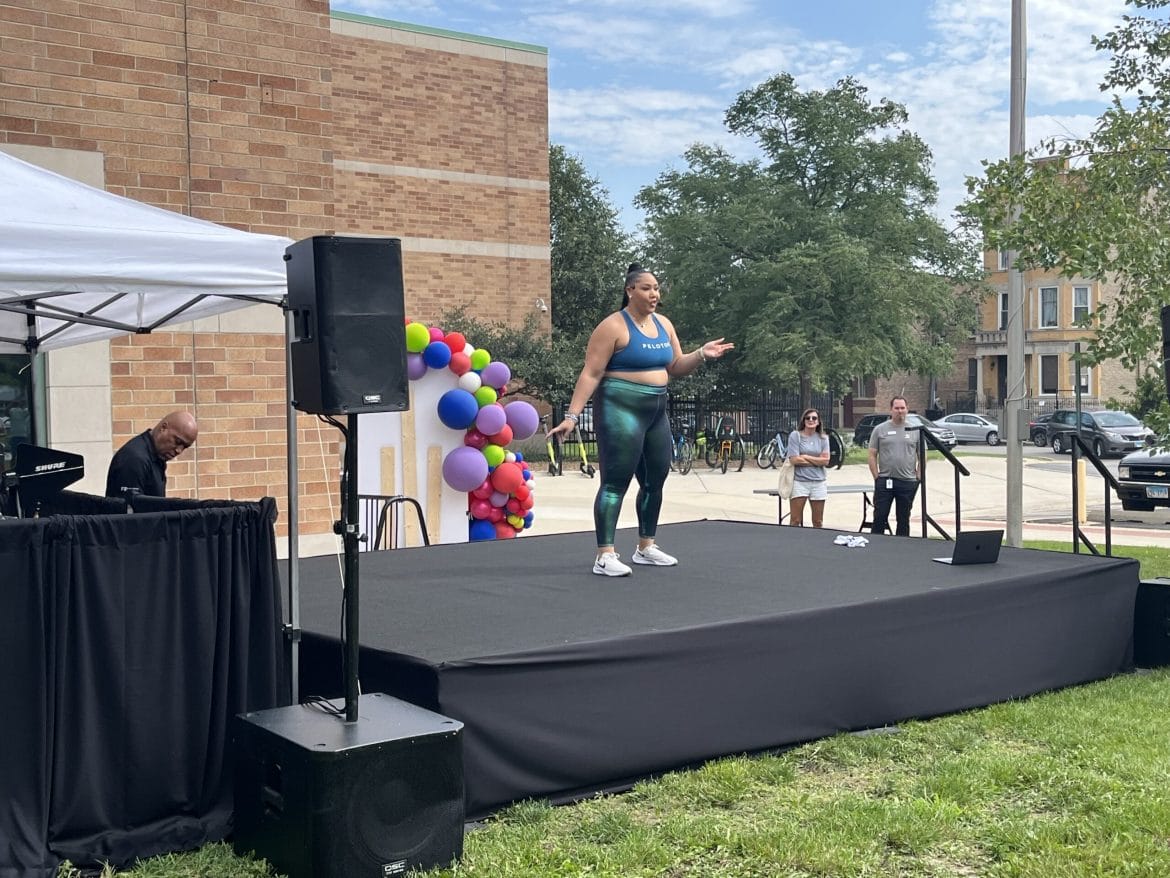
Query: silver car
{"points": [[971, 428], [945, 435]]}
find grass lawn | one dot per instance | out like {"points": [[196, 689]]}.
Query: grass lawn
{"points": [[1066, 784]]}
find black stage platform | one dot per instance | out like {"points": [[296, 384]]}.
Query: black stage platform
{"points": [[764, 636]]}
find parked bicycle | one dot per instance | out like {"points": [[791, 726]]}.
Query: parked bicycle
{"points": [[772, 450], [727, 447], [682, 451]]}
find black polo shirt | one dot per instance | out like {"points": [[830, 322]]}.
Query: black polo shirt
{"points": [[137, 465]]}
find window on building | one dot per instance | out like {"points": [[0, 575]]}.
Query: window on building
{"points": [[1048, 306], [973, 373], [1049, 366], [1080, 304], [1003, 310], [1003, 260]]}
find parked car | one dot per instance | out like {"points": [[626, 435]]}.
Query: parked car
{"points": [[1038, 430], [1144, 479], [1106, 432], [864, 429], [971, 428]]}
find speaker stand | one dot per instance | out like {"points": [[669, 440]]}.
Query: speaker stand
{"points": [[350, 537]]}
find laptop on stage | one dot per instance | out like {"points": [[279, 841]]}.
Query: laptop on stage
{"points": [[975, 547]]}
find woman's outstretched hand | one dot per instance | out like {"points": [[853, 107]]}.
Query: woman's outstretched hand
{"points": [[713, 350]]}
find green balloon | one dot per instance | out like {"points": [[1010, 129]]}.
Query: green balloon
{"points": [[417, 337], [485, 395], [480, 358], [494, 454]]}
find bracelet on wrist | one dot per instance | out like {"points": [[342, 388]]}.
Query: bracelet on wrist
{"points": [[702, 356], [569, 416]]}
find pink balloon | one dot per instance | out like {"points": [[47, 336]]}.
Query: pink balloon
{"points": [[491, 419], [480, 509], [475, 439], [436, 333], [514, 506], [484, 491], [496, 514]]}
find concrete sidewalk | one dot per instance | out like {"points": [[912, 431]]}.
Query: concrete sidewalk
{"points": [[564, 503]]}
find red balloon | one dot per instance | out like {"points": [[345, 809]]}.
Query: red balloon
{"points": [[475, 439], [504, 531], [523, 493], [507, 477], [460, 363], [514, 506], [455, 341], [483, 491], [528, 503], [502, 438], [496, 514]]}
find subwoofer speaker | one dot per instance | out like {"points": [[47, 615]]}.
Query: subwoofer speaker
{"points": [[348, 344], [1151, 624], [321, 798]]}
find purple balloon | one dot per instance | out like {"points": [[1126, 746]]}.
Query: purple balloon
{"points": [[496, 374], [498, 498], [491, 419], [464, 469], [416, 366], [522, 418]]}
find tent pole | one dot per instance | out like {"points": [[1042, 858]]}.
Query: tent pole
{"points": [[293, 629]]}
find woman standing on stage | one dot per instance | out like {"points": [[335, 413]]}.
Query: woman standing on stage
{"points": [[808, 449], [631, 357]]}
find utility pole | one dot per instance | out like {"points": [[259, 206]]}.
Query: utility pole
{"points": [[1016, 378]]}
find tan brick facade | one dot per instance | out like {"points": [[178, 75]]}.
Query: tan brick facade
{"points": [[274, 116]]}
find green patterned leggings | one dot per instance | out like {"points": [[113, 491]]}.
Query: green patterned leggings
{"points": [[633, 440]]}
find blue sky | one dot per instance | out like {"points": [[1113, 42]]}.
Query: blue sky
{"points": [[632, 85]]}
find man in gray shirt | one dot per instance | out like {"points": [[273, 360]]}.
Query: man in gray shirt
{"points": [[893, 463]]}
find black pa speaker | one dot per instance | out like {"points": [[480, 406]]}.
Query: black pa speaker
{"points": [[322, 798], [1151, 624], [348, 341]]}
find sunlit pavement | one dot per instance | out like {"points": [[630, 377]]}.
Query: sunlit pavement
{"points": [[564, 503]]}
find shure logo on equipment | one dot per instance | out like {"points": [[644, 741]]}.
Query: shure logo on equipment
{"points": [[45, 467]]}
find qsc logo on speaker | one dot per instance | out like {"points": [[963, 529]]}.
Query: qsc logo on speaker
{"points": [[398, 867]]}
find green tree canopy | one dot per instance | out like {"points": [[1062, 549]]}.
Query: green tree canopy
{"points": [[820, 259], [590, 251]]}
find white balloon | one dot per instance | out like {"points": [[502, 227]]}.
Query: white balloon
{"points": [[470, 381], [510, 456], [469, 349]]}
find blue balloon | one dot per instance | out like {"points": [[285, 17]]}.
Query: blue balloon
{"points": [[528, 520], [527, 474], [437, 355], [481, 529], [519, 457], [457, 409]]}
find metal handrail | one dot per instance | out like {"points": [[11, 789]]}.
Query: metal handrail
{"points": [[377, 508], [925, 437], [1111, 485]]}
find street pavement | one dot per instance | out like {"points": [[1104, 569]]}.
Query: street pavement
{"points": [[564, 503]]}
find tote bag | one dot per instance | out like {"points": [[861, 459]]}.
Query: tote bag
{"points": [[787, 474]]}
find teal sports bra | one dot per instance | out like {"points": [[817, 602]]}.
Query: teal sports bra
{"points": [[642, 353]]}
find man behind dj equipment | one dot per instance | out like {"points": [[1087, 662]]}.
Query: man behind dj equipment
{"points": [[140, 466]]}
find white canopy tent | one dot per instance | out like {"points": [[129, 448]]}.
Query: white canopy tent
{"points": [[79, 264]]}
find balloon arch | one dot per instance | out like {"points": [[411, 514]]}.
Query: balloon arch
{"points": [[498, 482]]}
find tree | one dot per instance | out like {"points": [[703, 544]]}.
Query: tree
{"points": [[590, 251], [1097, 206], [820, 259]]}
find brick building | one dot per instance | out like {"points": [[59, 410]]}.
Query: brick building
{"points": [[274, 116]]}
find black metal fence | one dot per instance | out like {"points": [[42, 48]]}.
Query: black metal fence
{"points": [[756, 417]]}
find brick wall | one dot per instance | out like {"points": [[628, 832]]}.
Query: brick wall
{"points": [[269, 116]]}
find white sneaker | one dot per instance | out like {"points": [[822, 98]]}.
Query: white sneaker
{"points": [[653, 556], [608, 564]]}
